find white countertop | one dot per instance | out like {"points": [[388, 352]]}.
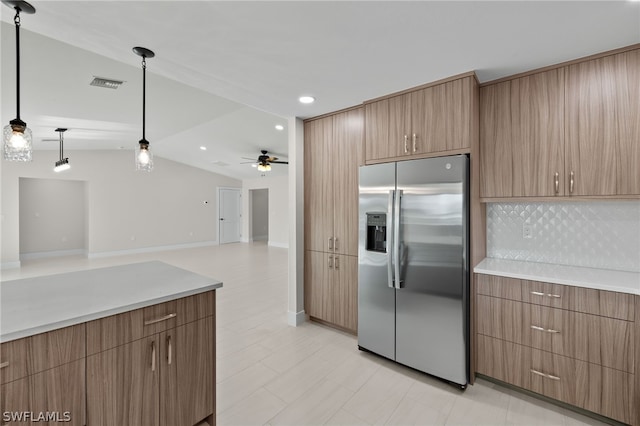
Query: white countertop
{"points": [[31, 306], [602, 279]]}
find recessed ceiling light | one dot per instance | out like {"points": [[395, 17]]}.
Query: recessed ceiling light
{"points": [[279, 127], [306, 99], [204, 148]]}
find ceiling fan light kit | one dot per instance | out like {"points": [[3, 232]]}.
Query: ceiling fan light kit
{"points": [[63, 163], [16, 136]]}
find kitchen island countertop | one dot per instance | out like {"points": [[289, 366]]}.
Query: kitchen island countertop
{"points": [[36, 305], [601, 279]]}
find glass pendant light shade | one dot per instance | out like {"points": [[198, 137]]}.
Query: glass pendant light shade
{"points": [[144, 157], [264, 167], [16, 141]]}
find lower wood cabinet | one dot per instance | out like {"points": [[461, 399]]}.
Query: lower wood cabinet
{"points": [[577, 345], [331, 289]]}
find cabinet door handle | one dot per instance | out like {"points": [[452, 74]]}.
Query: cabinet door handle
{"points": [[414, 143], [406, 147], [548, 330], [164, 318], [539, 293], [335, 243], [153, 356], [546, 376], [556, 182], [330, 243], [336, 263], [169, 350], [4, 364], [571, 181], [330, 262]]}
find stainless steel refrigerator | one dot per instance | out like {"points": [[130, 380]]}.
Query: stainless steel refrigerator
{"points": [[413, 275]]}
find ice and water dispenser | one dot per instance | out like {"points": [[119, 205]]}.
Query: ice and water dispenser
{"points": [[377, 232]]}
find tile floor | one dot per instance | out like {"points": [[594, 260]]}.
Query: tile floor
{"points": [[271, 373]]}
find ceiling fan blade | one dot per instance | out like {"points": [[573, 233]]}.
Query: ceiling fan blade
{"points": [[247, 158], [279, 162], [247, 162]]}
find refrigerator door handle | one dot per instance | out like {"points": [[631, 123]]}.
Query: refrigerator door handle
{"points": [[396, 238], [390, 239]]}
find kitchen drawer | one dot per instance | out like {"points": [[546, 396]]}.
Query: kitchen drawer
{"points": [[605, 391], [41, 352], [13, 360], [496, 286], [599, 340], [116, 330]]}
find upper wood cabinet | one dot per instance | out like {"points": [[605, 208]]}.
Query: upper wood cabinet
{"points": [[568, 131], [522, 136], [603, 125], [430, 120], [333, 152]]}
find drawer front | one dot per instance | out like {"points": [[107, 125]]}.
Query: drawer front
{"points": [[116, 330], [503, 287], [13, 360], [58, 347], [546, 294], [595, 388], [599, 340]]}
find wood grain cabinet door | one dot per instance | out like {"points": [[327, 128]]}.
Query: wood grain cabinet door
{"points": [[347, 151], [400, 125], [318, 197], [344, 295], [122, 384], [14, 399], [377, 142], [316, 276], [603, 125], [187, 365]]}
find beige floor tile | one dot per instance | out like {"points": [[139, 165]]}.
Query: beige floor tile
{"points": [[241, 385], [255, 409], [354, 371], [230, 365], [301, 378], [315, 407], [525, 410], [344, 418], [288, 357], [480, 404]]}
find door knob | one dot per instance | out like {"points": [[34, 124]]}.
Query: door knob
{"points": [[222, 218]]}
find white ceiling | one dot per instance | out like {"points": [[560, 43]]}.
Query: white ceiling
{"points": [[226, 72]]}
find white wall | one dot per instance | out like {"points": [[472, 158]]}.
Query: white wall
{"points": [[127, 210], [52, 216], [259, 214], [278, 207]]}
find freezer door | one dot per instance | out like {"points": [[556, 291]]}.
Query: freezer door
{"points": [[376, 295], [432, 299]]}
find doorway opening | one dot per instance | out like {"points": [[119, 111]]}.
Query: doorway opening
{"points": [[259, 210], [229, 215]]}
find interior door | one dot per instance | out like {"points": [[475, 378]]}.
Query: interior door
{"points": [[431, 316], [230, 216]]}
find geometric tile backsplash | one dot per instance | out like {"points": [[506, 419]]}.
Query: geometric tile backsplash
{"points": [[595, 234]]}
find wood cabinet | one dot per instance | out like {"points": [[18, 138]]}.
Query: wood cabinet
{"points": [[44, 375], [573, 344], [153, 366], [333, 152], [567, 131], [423, 122]]}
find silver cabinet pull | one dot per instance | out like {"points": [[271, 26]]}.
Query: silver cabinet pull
{"points": [[548, 330], [546, 376], [414, 143], [571, 180], [164, 318], [4, 364], [169, 350], [557, 296], [330, 244], [336, 264], [406, 147], [556, 182], [335, 243], [153, 356], [539, 293], [330, 262]]}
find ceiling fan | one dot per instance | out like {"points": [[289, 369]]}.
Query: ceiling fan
{"points": [[264, 161]]}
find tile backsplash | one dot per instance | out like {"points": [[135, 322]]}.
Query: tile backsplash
{"points": [[596, 234]]}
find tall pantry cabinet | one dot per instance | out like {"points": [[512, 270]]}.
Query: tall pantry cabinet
{"points": [[332, 153]]}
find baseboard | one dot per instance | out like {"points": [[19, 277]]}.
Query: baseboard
{"points": [[281, 245], [151, 249], [294, 319], [10, 265], [260, 238], [52, 253]]}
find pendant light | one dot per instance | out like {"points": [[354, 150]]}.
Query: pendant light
{"points": [[264, 167], [16, 136], [63, 163], [144, 158]]}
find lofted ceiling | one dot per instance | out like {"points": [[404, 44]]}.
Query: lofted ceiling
{"points": [[226, 72]]}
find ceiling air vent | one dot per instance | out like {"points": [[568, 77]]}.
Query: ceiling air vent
{"points": [[106, 82]]}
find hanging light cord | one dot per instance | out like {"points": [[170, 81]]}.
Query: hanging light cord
{"points": [[16, 20], [144, 97]]}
